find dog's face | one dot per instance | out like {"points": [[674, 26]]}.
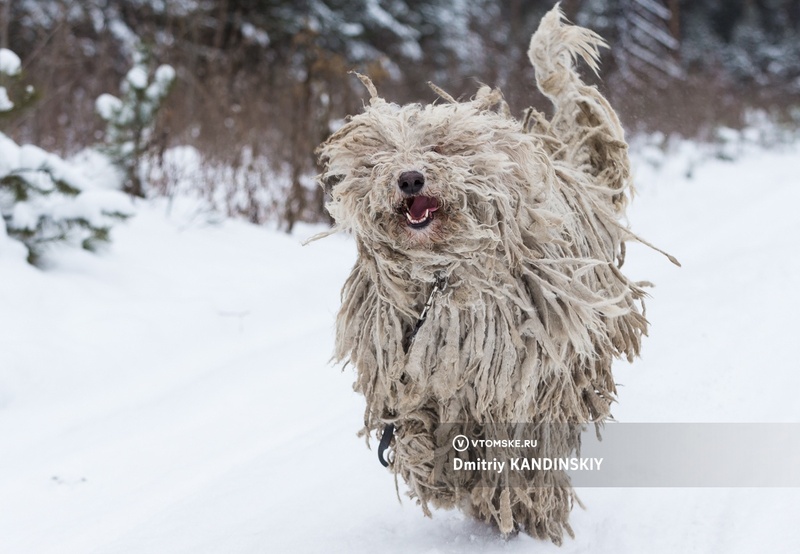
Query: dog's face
{"points": [[435, 177]]}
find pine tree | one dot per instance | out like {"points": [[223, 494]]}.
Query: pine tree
{"points": [[42, 203], [130, 119], [42, 199]]}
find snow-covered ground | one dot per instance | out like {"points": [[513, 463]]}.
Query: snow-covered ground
{"points": [[173, 394]]}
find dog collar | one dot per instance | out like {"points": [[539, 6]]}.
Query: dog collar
{"points": [[439, 284]]}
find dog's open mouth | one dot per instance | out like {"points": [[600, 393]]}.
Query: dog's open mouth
{"points": [[419, 210]]}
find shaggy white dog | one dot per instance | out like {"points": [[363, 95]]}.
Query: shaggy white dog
{"points": [[487, 298]]}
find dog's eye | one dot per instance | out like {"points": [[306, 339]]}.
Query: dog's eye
{"points": [[330, 181], [437, 148]]}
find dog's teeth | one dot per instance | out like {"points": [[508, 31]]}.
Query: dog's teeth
{"points": [[423, 219]]}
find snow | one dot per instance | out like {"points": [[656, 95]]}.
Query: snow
{"points": [[59, 198], [10, 64], [96, 207], [253, 33], [5, 102], [173, 394], [108, 106], [123, 33], [410, 47], [162, 80], [96, 171], [24, 216], [165, 74], [33, 158], [9, 154], [137, 77]]}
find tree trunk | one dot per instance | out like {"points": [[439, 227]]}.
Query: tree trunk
{"points": [[297, 198], [675, 19], [5, 20]]}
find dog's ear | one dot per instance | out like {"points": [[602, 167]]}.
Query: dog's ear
{"points": [[374, 98], [487, 98], [441, 93]]}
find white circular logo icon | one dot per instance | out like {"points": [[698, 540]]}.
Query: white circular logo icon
{"points": [[460, 443]]}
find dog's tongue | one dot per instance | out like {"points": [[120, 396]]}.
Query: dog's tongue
{"points": [[419, 204]]}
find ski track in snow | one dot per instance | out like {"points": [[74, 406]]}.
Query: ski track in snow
{"points": [[174, 394]]}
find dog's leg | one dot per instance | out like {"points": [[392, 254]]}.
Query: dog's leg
{"points": [[584, 122]]}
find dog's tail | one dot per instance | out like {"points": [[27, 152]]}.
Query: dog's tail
{"points": [[553, 50], [588, 129]]}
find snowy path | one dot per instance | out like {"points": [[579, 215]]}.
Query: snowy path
{"points": [[174, 394]]}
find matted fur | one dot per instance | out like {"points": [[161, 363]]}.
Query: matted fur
{"points": [[528, 240]]}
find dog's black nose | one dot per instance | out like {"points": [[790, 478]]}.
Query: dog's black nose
{"points": [[410, 182]]}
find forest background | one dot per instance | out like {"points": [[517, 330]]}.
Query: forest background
{"points": [[259, 83]]}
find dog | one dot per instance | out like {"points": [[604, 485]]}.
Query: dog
{"points": [[487, 298]]}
